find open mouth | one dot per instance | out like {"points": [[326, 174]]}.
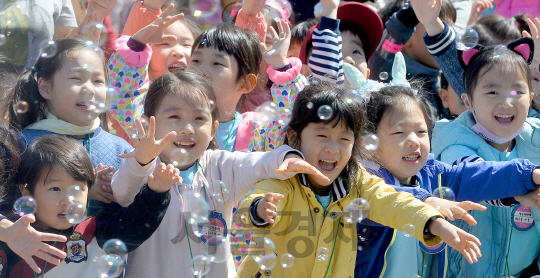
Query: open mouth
{"points": [[504, 119], [176, 67], [411, 158], [187, 145], [327, 165], [62, 216], [84, 106]]}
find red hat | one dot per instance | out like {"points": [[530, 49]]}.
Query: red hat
{"points": [[366, 18]]}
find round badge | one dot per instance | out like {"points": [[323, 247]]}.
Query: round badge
{"points": [[522, 219], [433, 249], [214, 230]]}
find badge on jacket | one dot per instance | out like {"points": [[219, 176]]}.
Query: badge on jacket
{"points": [[76, 249]]}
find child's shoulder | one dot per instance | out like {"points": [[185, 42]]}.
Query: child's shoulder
{"points": [[30, 135], [111, 141]]}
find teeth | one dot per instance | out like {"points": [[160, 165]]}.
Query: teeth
{"points": [[184, 144], [504, 116], [328, 161], [411, 157]]}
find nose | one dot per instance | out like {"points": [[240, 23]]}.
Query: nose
{"points": [[187, 129], [65, 201], [331, 148], [349, 60], [177, 51], [412, 141]]}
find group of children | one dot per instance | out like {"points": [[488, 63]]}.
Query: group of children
{"points": [[198, 182]]}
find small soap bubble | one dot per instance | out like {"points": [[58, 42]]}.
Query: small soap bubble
{"points": [[323, 254], [406, 5], [444, 193], [115, 247], [408, 230], [499, 50], [217, 252], [25, 205], [513, 93], [48, 49], [370, 142], [201, 265], [244, 218], [468, 40], [267, 262], [266, 113], [179, 157], [21, 107], [287, 260], [285, 117], [3, 39], [110, 266], [383, 76], [92, 30], [416, 276], [261, 246], [204, 8], [356, 211], [197, 206], [74, 192], [75, 213], [325, 112], [310, 105], [211, 106], [219, 191]]}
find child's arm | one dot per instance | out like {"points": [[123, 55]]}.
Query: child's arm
{"points": [[96, 12], [263, 204], [142, 13], [251, 18], [137, 222], [101, 190], [26, 242], [441, 41]]}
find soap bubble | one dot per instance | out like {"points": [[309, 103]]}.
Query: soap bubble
{"points": [[201, 265], [356, 211], [370, 142], [217, 252], [211, 106], [90, 64], [499, 50], [204, 8], [21, 107], [110, 266], [406, 5], [513, 93], [325, 112], [260, 247], [219, 191], [323, 254], [25, 205], [267, 262], [3, 39], [444, 193], [179, 157], [468, 40], [408, 230], [310, 105], [74, 192], [75, 213], [90, 32], [416, 276], [266, 113], [244, 218], [197, 206], [287, 260], [285, 117], [115, 247], [48, 49], [383, 76]]}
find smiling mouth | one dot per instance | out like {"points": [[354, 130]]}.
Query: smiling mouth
{"points": [[411, 158], [184, 144], [175, 68], [504, 119], [84, 105], [327, 165]]}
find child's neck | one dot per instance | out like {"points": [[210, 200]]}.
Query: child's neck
{"points": [[505, 147]]}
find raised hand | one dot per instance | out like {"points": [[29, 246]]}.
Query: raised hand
{"points": [[330, 8], [478, 7], [154, 4], [253, 7], [295, 164], [153, 33], [458, 239], [102, 8], [26, 242], [163, 178], [102, 190], [266, 209], [455, 210], [535, 35], [427, 12], [276, 55], [87, 33], [147, 147]]}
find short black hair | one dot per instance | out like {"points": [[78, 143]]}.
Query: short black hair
{"points": [[299, 32]]}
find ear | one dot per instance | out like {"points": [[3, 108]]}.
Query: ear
{"points": [[368, 73], [532, 97], [292, 137], [466, 56], [249, 83], [443, 94], [524, 47], [44, 87], [215, 128], [24, 190], [466, 101]]}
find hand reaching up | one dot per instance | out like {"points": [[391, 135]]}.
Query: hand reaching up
{"points": [[153, 33], [295, 164], [102, 190], [163, 178], [276, 55], [535, 35], [427, 12]]}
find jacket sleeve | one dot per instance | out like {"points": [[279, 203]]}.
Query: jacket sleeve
{"points": [[137, 222], [326, 60], [395, 209], [418, 193], [139, 17], [443, 47], [129, 179], [127, 73], [454, 152], [399, 29], [240, 171], [255, 24]]}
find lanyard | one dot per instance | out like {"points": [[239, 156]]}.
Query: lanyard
{"points": [[45, 267]]}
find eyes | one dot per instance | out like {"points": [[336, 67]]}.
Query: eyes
{"points": [[345, 139], [358, 52]]}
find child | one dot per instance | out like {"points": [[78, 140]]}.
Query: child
{"points": [[63, 94], [399, 117], [51, 165], [450, 100], [178, 110], [496, 82], [332, 146]]}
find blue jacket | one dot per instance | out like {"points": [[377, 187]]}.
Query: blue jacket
{"points": [[490, 180], [452, 140], [103, 148]]}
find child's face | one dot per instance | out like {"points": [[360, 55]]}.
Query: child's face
{"points": [[51, 197], [76, 87], [404, 141], [171, 55], [501, 101], [327, 148], [353, 52], [451, 100], [194, 128], [221, 69]]}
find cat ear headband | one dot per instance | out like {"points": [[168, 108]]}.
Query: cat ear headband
{"points": [[522, 46]]}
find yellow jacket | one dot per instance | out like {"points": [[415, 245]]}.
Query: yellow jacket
{"points": [[302, 226]]}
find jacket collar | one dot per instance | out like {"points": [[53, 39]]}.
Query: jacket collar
{"points": [[340, 187]]}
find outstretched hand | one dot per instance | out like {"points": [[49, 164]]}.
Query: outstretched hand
{"points": [[458, 239], [276, 55], [266, 209], [147, 147], [153, 32], [455, 210], [295, 164], [163, 178], [531, 199], [427, 12], [102, 190], [26, 242]]}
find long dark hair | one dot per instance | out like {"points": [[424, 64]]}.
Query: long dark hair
{"points": [[10, 145]]}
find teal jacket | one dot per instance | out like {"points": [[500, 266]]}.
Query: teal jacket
{"points": [[454, 140]]}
